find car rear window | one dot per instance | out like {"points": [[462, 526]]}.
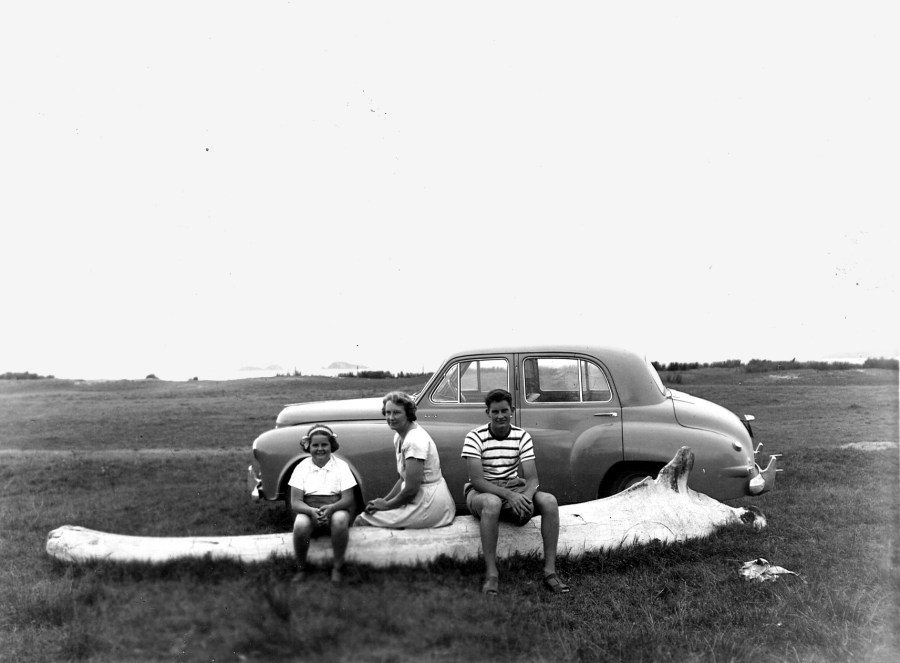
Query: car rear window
{"points": [[564, 380]]}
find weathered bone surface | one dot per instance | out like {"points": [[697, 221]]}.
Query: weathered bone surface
{"points": [[664, 509]]}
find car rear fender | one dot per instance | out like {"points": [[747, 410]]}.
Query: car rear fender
{"points": [[694, 412], [650, 433], [595, 451], [722, 459]]}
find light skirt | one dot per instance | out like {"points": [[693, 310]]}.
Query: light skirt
{"points": [[433, 506]]}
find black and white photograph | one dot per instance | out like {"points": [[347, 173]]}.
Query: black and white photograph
{"points": [[407, 331]]}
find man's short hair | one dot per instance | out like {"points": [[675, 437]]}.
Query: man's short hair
{"points": [[497, 395]]}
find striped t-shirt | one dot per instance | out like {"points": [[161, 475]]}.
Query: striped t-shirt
{"points": [[500, 459]]}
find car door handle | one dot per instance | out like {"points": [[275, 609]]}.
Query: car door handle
{"points": [[606, 414]]}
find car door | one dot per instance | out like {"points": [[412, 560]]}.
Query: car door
{"points": [[453, 404], [567, 403]]}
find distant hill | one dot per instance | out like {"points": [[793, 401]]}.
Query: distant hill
{"points": [[344, 365]]}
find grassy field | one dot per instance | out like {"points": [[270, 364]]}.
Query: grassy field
{"points": [[162, 458]]}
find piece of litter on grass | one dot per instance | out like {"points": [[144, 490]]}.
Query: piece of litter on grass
{"points": [[760, 569]]}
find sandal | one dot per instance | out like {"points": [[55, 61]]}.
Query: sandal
{"points": [[555, 585], [490, 586]]}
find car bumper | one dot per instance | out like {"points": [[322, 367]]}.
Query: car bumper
{"points": [[254, 484], [763, 480]]}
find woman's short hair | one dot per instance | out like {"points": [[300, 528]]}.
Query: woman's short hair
{"points": [[400, 398], [319, 429]]}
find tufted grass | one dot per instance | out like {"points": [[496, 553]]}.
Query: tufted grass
{"points": [[833, 518]]}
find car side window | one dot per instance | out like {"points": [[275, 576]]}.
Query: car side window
{"points": [[470, 381], [564, 380]]}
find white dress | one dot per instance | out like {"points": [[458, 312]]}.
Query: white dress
{"points": [[433, 505]]}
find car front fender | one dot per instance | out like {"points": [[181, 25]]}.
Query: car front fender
{"points": [[274, 452]]}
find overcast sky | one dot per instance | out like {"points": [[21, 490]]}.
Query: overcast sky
{"points": [[193, 187]]}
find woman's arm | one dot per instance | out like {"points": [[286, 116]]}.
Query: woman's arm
{"points": [[415, 472], [403, 492], [396, 489], [379, 503]]}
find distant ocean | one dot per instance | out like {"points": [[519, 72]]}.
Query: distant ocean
{"points": [[846, 360]]}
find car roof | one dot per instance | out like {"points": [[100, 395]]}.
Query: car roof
{"points": [[600, 351], [630, 373]]}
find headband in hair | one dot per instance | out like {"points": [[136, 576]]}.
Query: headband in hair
{"points": [[320, 428]]}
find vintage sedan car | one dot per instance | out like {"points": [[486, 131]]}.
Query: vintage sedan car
{"points": [[600, 417]]}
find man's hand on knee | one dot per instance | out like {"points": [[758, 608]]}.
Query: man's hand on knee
{"points": [[520, 504]]}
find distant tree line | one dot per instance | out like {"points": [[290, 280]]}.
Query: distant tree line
{"points": [[383, 375], [24, 376], [691, 365], [882, 362], [766, 365]]}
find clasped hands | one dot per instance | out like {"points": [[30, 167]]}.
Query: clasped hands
{"points": [[520, 504], [323, 515], [378, 504]]}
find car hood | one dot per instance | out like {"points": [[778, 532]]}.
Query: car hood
{"points": [[694, 412], [354, 409]]}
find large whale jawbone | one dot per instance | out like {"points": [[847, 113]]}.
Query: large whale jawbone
{"points": [[664, 509]]}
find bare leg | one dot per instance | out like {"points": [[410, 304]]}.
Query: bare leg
{"points": [[488, 508], [340, 535], [546, 506], [303, 527]]}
